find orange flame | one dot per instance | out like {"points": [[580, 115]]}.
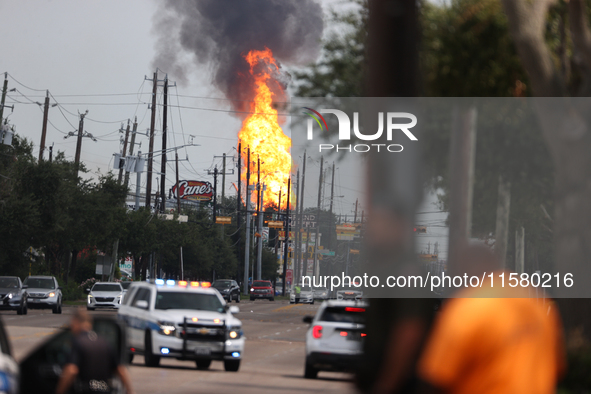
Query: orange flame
{"points": [[262, 133]]}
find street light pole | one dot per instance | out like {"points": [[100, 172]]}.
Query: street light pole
{"points": [[260, 245]]}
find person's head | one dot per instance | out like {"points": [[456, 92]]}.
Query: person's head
{"points": [[475, 260], [81, 321]]}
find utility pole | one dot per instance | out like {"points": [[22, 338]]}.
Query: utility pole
{"points": [[4, 88], [238, 200], [138, 181], [260, 245], [223, 173], [44, 128], [50, 153], [355, 217], [258, 182], [133, 133], [463, 142], [296, 248], [520, 250], [316, 270], [502, 220], [247, 241], [124, 149], [223, 178], [286, 233], [163, 160], [178, 194], [215, 190], [301, 219], [151, 145], [331, 222], [79, 142]]}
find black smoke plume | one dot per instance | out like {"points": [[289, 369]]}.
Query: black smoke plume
{"points": [[217, 33]]}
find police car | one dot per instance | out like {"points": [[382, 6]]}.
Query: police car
{"points": [[181, 320]]}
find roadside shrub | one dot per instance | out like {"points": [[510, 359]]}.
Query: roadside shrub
{"points": [[72, 292]]}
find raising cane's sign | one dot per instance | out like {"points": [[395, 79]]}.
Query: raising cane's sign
{"points": [[193, 190]]}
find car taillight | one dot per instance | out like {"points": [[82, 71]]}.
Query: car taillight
{"points": [[363, 334], [344, 333], [353, 309], [317, 332]]}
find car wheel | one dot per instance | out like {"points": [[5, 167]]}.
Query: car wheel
{"points": [[203, 364], [56, 309], [272, 299], [252, 299], [150, 358], [312, 302], [21, 309], [130, 359], [231, 365], [26, 309], [89, 308], [310, 372], [238, 298]]}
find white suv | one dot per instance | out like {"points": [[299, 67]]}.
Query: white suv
{"points": [[182, 320], [104, 295], [334, 341]]}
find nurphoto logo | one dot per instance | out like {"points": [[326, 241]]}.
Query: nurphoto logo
{"points": [[392, 125]]}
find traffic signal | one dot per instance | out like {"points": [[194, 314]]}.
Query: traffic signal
{"points": [[420, 229]]}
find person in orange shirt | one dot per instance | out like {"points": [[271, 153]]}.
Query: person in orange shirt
{"points": [[492, 340]]}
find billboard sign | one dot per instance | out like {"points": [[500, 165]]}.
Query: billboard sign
{"points": [[193, 190]]}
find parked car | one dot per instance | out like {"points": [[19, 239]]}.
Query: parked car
{"points": [[44, 293], [182, 320], [13, 295], [334, 340], [262, 289], [349, 293], [104, 295], [228, 288], [9, 369], [306, 295], [320, 293]]}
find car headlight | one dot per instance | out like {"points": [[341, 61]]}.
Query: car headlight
{"points": [[235, 333], [252, 289], [167, 328], [10, 295], [52, 294], [90, 297]]}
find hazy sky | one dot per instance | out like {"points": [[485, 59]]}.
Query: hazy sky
{"points": [[94, 55]]}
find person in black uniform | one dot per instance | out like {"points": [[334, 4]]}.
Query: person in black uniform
{"points": [[92, 363]]}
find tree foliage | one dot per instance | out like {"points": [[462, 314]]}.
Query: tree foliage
{"points": [[466, 51]]}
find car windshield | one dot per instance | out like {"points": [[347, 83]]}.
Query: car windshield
{"points": [[8, 283], [106, 287], [188, 300], [125, 285], [305, 288], [320, 289], [343, 314], [261, 284], [40, 283], [222, 284]]}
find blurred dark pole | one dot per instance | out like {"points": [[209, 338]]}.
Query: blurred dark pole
{"points": [[396, 327], [461, 169]]}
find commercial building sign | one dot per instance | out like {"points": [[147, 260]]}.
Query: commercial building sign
{"points": [[193, 190]]}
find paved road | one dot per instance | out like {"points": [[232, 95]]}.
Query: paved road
{"points": [[273, 359]]}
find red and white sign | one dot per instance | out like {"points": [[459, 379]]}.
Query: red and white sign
{"points": [[194, 190], [289, 276]]}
